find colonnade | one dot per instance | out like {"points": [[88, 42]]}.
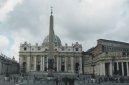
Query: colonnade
{"points": [[8, 68], [112, 68]]}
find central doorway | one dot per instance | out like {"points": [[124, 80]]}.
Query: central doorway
{"points": [[77, 67], [38, 67]]}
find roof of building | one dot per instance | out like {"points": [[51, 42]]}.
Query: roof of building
{"points": [[57, 41], [113, 41]]}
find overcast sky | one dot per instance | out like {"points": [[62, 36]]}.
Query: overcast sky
{"points": [[82, 21]]}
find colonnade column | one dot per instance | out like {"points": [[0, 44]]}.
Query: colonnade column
{"points": [[117, 66], [57, 64], [28, 63], [103, 67], [41, 64], [80, 67], [35, 63], [47, 63], [72, 64], [97, 69], [20, 61], [65, 63], [111, 72], [0, 67], [122, 68], [127, 68]]}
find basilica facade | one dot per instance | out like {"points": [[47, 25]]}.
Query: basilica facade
{"points": [[35, 58]]}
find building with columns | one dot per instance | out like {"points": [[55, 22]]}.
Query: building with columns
{"points": [[36, 58], [8, 65], [109, 58]]}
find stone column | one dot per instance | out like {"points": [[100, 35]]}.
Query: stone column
{"points": [[95, 69], [20, 62], [35, 64], [65, 63], [72, 64], [103, 67], [122, 68], [6, 68], [98, 69], [0, 67], [11, 68], [57, 63], [28, 64], [80, 65], [127, 68], [117, 66], [47, 63], [3, 68], [41, 64], [111, 73]]}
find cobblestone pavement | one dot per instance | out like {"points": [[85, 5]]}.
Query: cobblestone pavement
{"points": [[31, 82]]}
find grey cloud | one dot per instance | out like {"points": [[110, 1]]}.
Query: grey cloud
{"points": [[73, 22]]}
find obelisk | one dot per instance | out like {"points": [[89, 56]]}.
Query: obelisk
{"points": [[51, 43]]}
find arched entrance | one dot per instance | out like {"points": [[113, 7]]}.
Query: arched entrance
{"points": [[24, 67], [77, 67]]}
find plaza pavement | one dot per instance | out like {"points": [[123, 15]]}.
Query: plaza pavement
{"points": [[31, 82]]}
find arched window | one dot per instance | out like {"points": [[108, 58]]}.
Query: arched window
{"points": [[55, 49], [25, 48], [76, 49], [39, 48], [46, 49], [62, 48]]}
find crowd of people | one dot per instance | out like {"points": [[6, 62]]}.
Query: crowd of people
{"points": [[14, 78], [113, 79], [67, 80]]}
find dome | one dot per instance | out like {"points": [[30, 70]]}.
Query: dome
{"points": [[57, 41]]}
